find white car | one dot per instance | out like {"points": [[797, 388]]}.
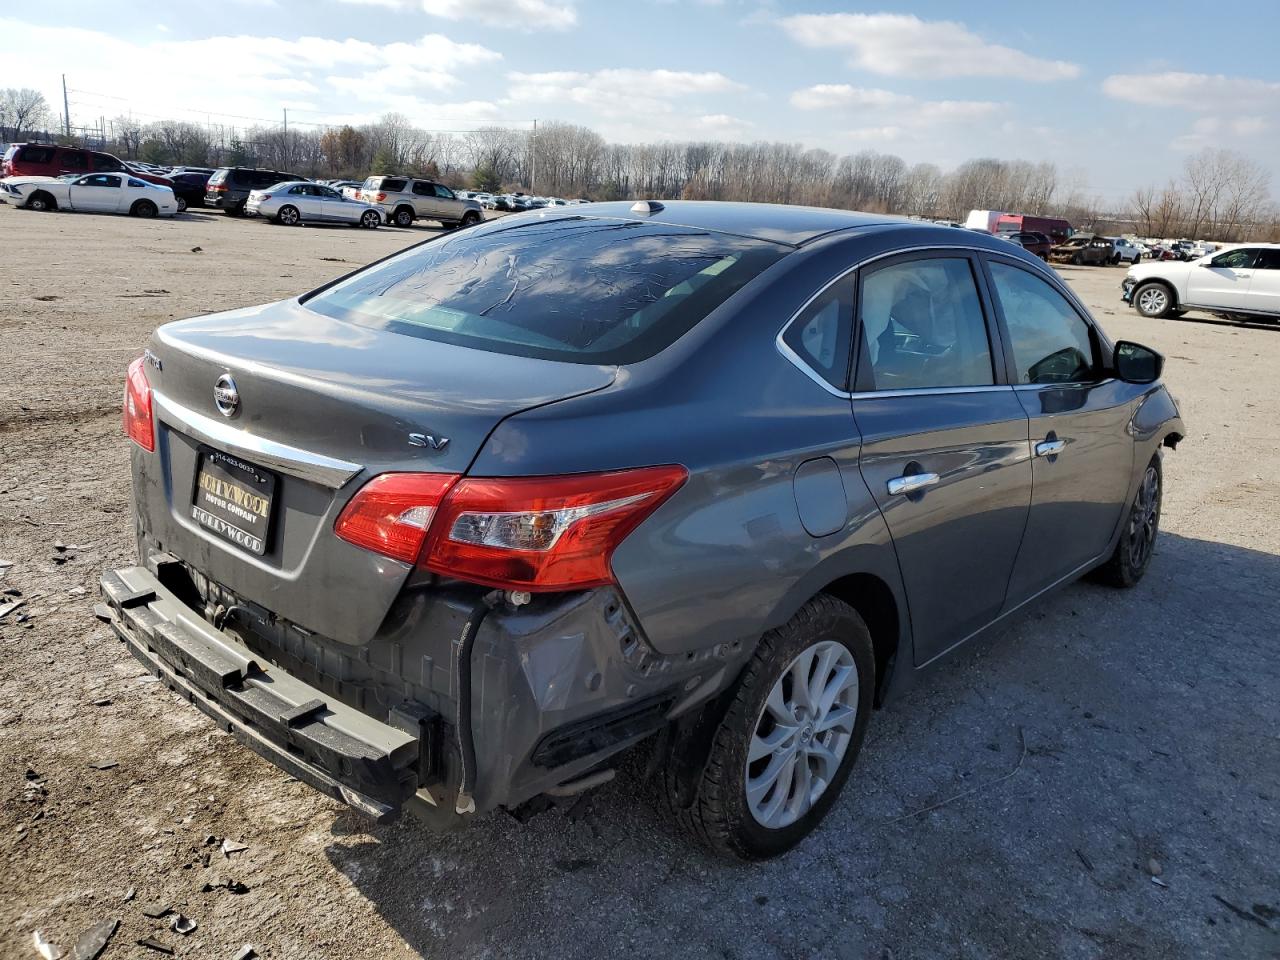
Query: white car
{"points": [[1126, 251], [1238, 284], [296, 201], [92, 193]]}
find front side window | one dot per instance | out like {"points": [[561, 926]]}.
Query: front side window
{"points": [[443, 192], [423, 189], [75, 160], [922, 326], [822, 336], [99, 180], [1241, 259], [575, 289], [1051, 343], [328, 193]]}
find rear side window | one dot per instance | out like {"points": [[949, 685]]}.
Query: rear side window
{"points": [[822, 336], [30, 154], [1051, 343], [267, 178], [242, 178], [422, 189], [572, 288], [1268, 259], [73, 160], [922, 326], [393, 185]]}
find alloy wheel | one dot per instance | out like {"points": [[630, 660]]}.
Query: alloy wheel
{"points": [[288, 216], [802, 733], [1153, 300], [1144, 519]]}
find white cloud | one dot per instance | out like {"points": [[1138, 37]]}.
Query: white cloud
{"points": [[903, 45], [617, 92], [526, 15], [233, 79], [1208, 93], [828, 96], [901, 109]]}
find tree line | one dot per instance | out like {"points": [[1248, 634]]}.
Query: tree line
{"points": [[1219, 194]]}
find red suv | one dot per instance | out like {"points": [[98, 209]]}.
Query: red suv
{"points": [[51, 160]]}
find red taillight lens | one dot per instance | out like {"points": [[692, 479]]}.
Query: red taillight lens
{"points": [[137, 407], [382, 198], [391, 513], [530, 533], [543, 533], [265, 196], [217, 187]]}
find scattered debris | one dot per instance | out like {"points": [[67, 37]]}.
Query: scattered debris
{"points": [[130, 894], [46, 297], [972, 790], [1088, 864], [12, 592], [231, 886], [335, 259], [230, 846], [196, 249], [1242, 913], [8, 608], [157, 290], [246, 953], [60, 546], [156, 945], [156, 910], [104, 764], [102, 702], [77, 591], [1159, 883], [5, 564], [183, 924], [45, 948], [94, 940], [1154, 868]]}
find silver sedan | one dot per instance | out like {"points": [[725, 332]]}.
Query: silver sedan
{"points": [[294, 202]]}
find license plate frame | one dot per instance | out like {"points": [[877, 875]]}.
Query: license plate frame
{"points": [[234, 500]]}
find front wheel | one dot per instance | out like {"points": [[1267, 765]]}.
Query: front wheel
{"points": [[1153, 300], [1132, 555], [42, 202], [288, 215], [182, 205], [144, 208], [370, 219], [789, 737]]}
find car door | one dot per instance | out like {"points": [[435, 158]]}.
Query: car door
{"points": [[945, 448], [1079, 420], [424, 199], [1222, 281], [96, 193], [450, 207], [72, 161], [336, 209], [302, 196], [1264, 291]]}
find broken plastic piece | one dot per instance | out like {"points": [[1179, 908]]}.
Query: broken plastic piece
{"points": [[44, 947], [156, 910], [94, 940], [183, 924], [230, 846], [246, 953], [155, 945]]}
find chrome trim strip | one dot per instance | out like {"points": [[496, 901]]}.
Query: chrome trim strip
{"points": [[929, 391], [317, 468]]}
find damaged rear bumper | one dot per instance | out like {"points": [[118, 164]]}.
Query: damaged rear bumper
{"points": [[334, 748]]}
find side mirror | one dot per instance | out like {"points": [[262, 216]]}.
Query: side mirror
{"points": [[1135, 363]]}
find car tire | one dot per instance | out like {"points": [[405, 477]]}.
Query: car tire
{"points": [[470, 219], [235, 210], [145, 209], [721, 814], [288, 215], [403, 217], [1132, 555], [370, 220], [41, 202], [1153, 300], [1077, 260], [182, 205]]}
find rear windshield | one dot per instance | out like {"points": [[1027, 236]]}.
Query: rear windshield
{"points": [[571, 288]]}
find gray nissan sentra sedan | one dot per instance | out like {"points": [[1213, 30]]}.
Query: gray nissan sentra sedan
{"points": [[453, 532]]}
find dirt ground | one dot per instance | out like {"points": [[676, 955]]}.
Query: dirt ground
{"points": [[1103, 738]]}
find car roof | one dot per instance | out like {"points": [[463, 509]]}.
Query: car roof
{"points": [[779, 223]]}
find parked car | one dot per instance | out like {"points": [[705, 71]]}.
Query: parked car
{"points": [[1034, 243], [189, 188], [1238, 284], [501, 202], [229, 187], [1083, 248], [1055, 228], [403, 200], [206, 171], [93, 193], [457, 530], [303, 202], [51, 160], [1125, 251]]}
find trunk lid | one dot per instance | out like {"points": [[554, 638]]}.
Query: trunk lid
{"points": [[322, 405]]}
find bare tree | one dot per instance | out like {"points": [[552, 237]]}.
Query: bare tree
{"points": [[22, 110]]}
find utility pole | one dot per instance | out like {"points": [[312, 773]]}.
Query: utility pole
{"points": [[533, 162], [66, 108]]}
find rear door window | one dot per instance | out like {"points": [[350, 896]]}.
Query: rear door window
{"points": [[573, 288], [921, 326], [822, 336], [421, 189], [33, 154], [74, 160], [1050, 341]]}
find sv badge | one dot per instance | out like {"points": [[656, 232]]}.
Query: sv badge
{"points": [[427, 440]]}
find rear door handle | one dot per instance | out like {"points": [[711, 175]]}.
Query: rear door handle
{"points": [[1050, 448], [912, 482]]}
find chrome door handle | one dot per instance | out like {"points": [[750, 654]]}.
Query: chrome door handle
{"points": [[1050, 448], [911, 483]]}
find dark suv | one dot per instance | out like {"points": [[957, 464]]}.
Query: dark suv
{"points": [[229, 187]]}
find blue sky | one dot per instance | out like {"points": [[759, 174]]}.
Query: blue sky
{"points": [[1117, 98]]}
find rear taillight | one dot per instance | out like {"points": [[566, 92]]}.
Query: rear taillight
{"points": [[217, 188], [138, 423], [382, 198], [531, 533], [391, 513], [264, 196]]}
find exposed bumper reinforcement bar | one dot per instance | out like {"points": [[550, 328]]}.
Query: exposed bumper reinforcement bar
{"points": [[334, 748]]}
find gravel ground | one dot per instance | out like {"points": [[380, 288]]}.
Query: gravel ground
{"points": [[1102, 738]]}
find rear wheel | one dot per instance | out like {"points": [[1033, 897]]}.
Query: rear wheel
{"points": [[288, 215], [144, 208], [403, 217], [42, 202], [370, 219], [1153, 300], [1137, 543], [470, 219], [182, 205], [789, 737]]}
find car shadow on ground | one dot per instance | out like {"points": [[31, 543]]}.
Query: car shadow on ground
{"points": [[1015, 802]]}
